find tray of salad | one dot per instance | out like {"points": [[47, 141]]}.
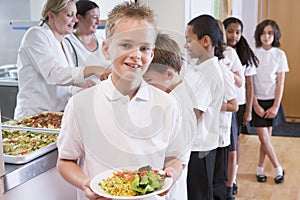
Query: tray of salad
{"points": [[22, 146]]}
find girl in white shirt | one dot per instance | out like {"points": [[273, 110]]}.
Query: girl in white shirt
{"points": [[234, 29], [268, 85], [45, 75]]}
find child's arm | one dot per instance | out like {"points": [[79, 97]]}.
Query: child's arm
{"points": [[249, 100], [73, 174], [238, 80], [230, 106], [272, 111]]}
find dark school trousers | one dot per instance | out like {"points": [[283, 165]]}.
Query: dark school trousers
{"points": [[220, 173], [200, 175]]}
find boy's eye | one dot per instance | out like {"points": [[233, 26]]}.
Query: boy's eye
{"points": [[145, 48], [126, 46]]}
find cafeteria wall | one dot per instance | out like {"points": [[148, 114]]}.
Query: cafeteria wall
{"points": [[10, 39]]}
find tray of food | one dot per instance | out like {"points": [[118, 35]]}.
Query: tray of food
{"points": [[44, 122], [22, 146]]}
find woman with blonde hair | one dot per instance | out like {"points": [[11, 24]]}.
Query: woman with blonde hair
{"points": [[44, 73]]}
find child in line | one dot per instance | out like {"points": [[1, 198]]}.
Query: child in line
{"points": [[206, 80], [268, 85], [234, 30], [164, 73], [122, 121], [229, 106]]}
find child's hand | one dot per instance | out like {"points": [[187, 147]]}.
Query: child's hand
{"points": [[90, 194], [246, 118], [259, 111], [271, 112], [169, 173]]}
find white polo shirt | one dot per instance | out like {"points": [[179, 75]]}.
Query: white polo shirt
{"points": [[182, 93], [104, 129], [226, 117], [206, 81], [271, 62]]}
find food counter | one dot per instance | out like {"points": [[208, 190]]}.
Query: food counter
{"points": [[21, 178], [16, 174]]}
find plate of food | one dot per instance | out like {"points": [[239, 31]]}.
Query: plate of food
{"points": [[130, 183]]}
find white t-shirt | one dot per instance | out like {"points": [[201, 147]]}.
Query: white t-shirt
{"points": [[232, 60], [226, 117], [188, 129], [104, 129], [79, 56], [45, 76], [206, 81], [271, 62]]}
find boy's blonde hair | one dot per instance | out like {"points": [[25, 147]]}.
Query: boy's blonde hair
{"points": [[129, 10]]}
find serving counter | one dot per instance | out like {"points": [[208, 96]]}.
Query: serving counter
{"points": [[16, 174], [35, 179]]}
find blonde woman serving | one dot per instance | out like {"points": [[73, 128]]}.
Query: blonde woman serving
{"points": [[45, 75]]}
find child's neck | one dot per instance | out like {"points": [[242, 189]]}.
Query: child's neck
{"points": [[127, 87]]}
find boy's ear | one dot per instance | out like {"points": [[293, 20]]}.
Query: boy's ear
{"points": [[105, 48], [170, 73], [206, 41]]}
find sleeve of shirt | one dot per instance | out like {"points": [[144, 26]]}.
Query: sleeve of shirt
{"points": [[41, 51], [202, 94], [69, 142], [283, 63], [230, 90], [250, 70], [177, 147]]}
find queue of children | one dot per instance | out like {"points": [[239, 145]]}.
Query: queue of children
{"points": [[147, 113]]}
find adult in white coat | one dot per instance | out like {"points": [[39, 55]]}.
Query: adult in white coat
{"points": [[44, 73], [85, 43]]}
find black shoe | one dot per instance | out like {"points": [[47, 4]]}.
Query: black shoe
{"points": [[279, 179], [229, 193], [234, 189], [261, 178]]}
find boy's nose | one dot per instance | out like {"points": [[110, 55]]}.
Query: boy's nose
{"points": [[136, 54]]}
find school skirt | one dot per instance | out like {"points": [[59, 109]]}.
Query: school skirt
{"points": [[257, 121]]}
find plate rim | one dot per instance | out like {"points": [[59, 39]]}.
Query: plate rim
{"points": [[95, 180]]}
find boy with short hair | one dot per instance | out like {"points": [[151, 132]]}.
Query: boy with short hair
{"points": [[164, 73], [206, 80], [122, 121]]}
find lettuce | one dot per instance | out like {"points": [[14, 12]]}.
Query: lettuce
{"points": [[147, 183]]}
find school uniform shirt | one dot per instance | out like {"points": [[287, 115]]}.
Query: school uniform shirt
{"points": [[271, 62], [232, 60], [186, 135], [79, 56], [206, 81], [226, 117], [44, 73], [107, 130]]}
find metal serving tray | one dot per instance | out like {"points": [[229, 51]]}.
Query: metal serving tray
{"points": [[10, 124], [22, 159]]}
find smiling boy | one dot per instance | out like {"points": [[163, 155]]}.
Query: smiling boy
{"points": [[122, 121]]}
